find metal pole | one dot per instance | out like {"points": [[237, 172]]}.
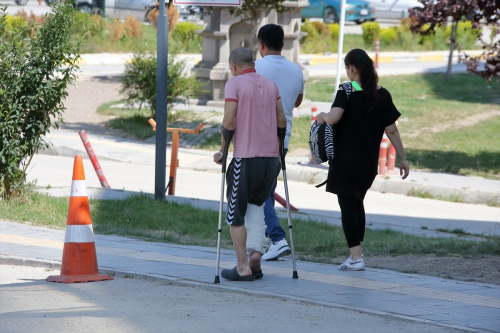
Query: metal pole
{"points": [[161, 103], [341, 43]]}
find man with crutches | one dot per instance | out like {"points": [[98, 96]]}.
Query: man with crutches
{"points": [[253, 114]]}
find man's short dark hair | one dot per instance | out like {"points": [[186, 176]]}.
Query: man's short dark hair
{"points": [[272, 36], [241, 56]]}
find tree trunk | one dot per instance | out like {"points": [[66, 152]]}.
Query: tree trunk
{"points": [[255, 29], [453, 40]]}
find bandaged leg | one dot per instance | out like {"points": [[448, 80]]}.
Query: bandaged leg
{"points": [[256, 229]]}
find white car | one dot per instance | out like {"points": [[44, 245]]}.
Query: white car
{"points": [[115, 8], [394, 9]]}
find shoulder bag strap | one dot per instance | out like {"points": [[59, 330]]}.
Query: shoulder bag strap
{"points": [[356, 86], [347, 88]]}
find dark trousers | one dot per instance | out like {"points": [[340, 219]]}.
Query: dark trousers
{"points": [[353, 219]]}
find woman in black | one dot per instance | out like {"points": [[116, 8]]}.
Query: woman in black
{"points": [[362, 118]]}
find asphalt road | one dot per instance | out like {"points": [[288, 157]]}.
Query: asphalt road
{"points": [[30, 304]]}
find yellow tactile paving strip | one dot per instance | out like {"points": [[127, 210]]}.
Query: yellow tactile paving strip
{"points": [[390, 287]]}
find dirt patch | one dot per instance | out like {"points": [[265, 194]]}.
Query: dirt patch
{"points": [[485, 269], [468, 121], [81, 105]]}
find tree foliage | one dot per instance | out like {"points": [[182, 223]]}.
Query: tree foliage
{"points": [[34, 75], [438, 13], [139, 81]]}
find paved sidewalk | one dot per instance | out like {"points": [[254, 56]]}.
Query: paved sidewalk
{"points": [[472, 189], [460, 305]]}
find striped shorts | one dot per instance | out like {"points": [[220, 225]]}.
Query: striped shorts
{"points": [[249, 180]]}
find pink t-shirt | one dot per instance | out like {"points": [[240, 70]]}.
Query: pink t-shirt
{"points": [[256, 127]]}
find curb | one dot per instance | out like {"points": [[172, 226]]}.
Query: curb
{"points": [[118, 59], [314, 60], [314, 175], [20, 261]]}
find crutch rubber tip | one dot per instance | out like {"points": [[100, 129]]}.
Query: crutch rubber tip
{"points": [[295, 275], [217, 280]]}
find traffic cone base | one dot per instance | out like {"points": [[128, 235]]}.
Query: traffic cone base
{"points": [[79, 260]]}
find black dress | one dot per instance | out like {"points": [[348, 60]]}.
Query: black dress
{"points": [[357, 142]]}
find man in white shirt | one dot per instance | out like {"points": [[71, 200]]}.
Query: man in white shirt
{"points": [[288, 77]]}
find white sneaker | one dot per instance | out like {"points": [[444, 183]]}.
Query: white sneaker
{"points": [[353, 265], [277, 250]]}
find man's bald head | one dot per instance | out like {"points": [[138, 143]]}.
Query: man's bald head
{"points": [[241, 57]]}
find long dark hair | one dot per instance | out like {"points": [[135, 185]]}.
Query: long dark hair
{"points": [[368, 76]]}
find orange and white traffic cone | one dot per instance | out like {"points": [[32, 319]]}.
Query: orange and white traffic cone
{"points": [[382, 158], [79, 260], [391, 162]]}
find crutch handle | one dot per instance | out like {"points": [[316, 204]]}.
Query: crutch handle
{"points": [[228, 136], [281, 137]]}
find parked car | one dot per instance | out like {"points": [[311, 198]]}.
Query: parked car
{"points": [[394, 9], [358, 11], [115, 8], [21, 2], [86, 6], [123, 8], [189, 13]]}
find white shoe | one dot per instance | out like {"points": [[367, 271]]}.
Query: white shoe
{"points": [[353, 265], [277, 250]]}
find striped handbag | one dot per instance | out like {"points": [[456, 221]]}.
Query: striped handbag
{"points": [[321, 137]]}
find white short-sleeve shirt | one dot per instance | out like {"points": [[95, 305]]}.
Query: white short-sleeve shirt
{"points": [[288, 77]]}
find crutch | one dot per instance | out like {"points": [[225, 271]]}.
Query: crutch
{"points": [[227, 135], [281, 136]]}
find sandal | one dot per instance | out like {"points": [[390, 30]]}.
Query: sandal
{"points": [[232, 275], [258, 275]]}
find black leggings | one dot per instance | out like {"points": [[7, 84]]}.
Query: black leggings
{"points": [[353, 219]]}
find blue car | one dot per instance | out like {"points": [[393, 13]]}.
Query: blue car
{"points": [[358, 11]]}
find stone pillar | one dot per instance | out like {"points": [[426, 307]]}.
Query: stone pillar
{"points": [[225, 33]]}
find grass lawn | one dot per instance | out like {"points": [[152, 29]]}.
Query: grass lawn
{"points": [[130, 120], [141, 216], [135, 121], [428, 104]]}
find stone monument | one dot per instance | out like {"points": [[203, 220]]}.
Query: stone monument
{"points": [[225, 32]]}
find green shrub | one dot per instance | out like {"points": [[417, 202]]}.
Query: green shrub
{"points": [[187, 38], [311, 31], [371, 30], [97, 25], [466, 34], [388, 35], [13, 24], [314, 42], [321, 28], [34, 76], [334, 30], [139, 81]]}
